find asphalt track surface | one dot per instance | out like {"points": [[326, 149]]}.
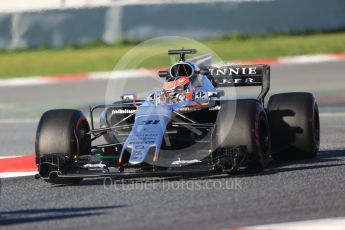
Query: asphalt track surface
{"points": [[287, 191]]}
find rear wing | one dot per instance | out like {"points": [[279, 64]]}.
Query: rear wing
{"points": [[243, 75]]}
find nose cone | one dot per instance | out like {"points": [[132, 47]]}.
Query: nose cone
{"points": [[141, 154], [147, 134]]}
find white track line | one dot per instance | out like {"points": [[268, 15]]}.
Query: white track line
{"points": [[319, 224], [18, 120], [4, 157], [119, 74], [33, 80], [16, 174], [304, 59], [335, 114]]}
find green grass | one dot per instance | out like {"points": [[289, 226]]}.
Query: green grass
{"points": [[102, 57]]}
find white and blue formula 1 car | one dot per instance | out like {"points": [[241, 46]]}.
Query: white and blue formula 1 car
{"points": [[186, 127]]}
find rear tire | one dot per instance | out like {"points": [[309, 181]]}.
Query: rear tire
{"points": [[295, 126], [249, 128], [61, 134]]}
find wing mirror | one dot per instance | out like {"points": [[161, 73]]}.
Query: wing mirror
{"points": [[205, 72], [163, 73], [129, 97], [217, 93]]}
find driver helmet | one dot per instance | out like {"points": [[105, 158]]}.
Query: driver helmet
{"points": [[180, 85]]}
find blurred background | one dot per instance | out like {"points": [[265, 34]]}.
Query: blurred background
{"points": [[74, 36], [57, 23], [18, 5]]}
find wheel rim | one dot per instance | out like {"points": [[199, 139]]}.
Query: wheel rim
{"points": [[80, 138], [264, 137], [316, 126]]}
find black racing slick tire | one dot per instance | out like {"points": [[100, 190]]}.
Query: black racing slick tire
{"points": [[244, 123], [295, 126], [62, 135]]}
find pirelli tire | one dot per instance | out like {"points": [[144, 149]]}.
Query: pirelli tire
{"points": [[295, 126], [244, 123], [62, 135]]}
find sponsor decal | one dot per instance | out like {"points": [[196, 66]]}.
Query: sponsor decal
{"points": [[201, 95], [149, 122], [122, 111], [218, 107], [232, 71], [223, 81], [96, 166], [185, 162], [138, 152], [195, 109], [228, 76], [141, 142], [235, 81]]}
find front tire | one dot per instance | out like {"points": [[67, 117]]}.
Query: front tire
{"points": [[61, 135]]}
